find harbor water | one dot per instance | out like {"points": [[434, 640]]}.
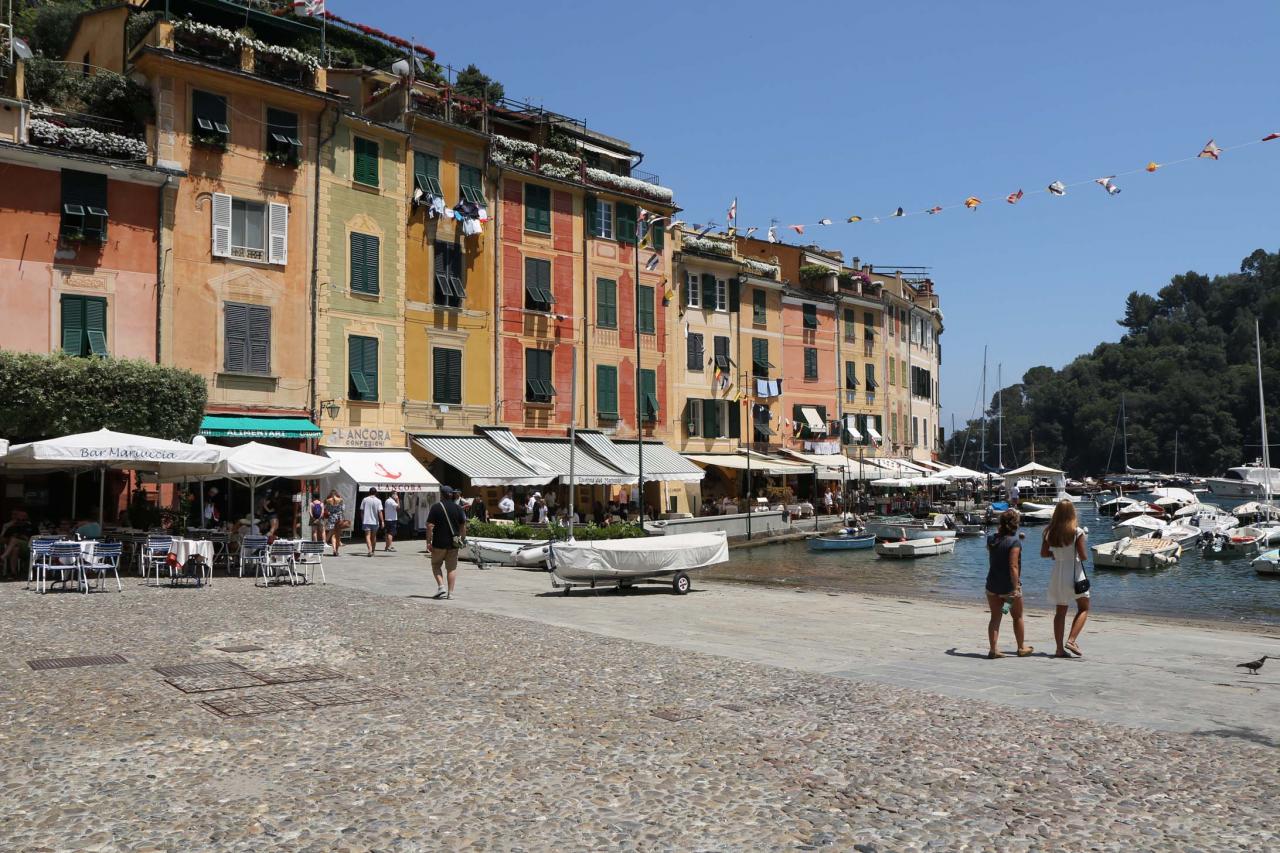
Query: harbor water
{"points": [[1194, 588]]}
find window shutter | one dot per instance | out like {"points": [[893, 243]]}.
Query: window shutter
{"points": [[371, 366], [259, 340], [371, 263], [607, 389], [625, 223], [708, 291], [760, 356], [735, 420], [95, 324], [355, 368], [734, 295], [690, 406], [278, 233], [850, 375], [357, 262], [73, 325], [235, 357], [695, 358], [721, 344], [810, 316], [593, 215], [221, 225], [711, 418], [758, 306], [649, 394], [659, 236], [644, 311]]}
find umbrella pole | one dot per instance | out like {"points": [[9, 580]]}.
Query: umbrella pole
{"points": [[75, 481], [102, 491]]}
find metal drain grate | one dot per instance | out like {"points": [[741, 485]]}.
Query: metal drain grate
{"points": [[67, 663], [239, 649], [674, 715], [291, 674], [220, 667], [217, 681], [255, 704]]}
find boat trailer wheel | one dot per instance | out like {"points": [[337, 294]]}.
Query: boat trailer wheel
{"points": [[680, 584]]}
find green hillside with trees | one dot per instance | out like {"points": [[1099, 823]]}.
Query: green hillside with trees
{"points": [[1185, 367]]}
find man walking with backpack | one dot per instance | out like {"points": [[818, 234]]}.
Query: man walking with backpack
{"points": [[446, 526]]}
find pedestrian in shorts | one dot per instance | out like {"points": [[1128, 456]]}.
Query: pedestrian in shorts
{"points": [[446, 526]]}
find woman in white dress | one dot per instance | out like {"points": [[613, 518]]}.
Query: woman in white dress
{"points": [[1065, 543]]}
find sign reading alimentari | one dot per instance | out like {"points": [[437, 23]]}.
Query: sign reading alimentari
{"points": [[359, 437]]}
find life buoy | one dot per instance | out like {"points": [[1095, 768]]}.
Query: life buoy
{"points": [[937, 539]]}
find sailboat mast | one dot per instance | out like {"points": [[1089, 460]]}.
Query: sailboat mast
{"points": [[1124, 434], [1000, 418], [983, 452], [1175, 451], [1262, 413]]}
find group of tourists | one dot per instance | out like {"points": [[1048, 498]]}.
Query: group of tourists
{"points": [[1065, 543]]}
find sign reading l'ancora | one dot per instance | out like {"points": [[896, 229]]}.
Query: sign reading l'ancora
{"points": [[360, 437]]}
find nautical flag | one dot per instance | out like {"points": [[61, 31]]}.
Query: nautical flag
{"points": [[1057, 188], [1107, 185], [1152, 166], [675, 223], [773, 233], [1014, 198], [824, 221], [310, 8], [799, 229], [705, 230], [1271, 136], [1210, 150], [652, 263], [733, 209], [899, 212], [670, 293], [972, 202], [854, 219], [753, 229], [934, 209]]}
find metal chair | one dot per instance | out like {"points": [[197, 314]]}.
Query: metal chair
{"points": [[253, 552], [106, 558], [311, 557], [279, 557], [155, 555], [221, 549], [65, 561], [41, 548]]}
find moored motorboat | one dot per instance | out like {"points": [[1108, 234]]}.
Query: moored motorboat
{"points": [[844, 540], [938, 524], [1209, 519], [1268, 563], [1238, 542], [497, 552], [1139, 526], [1256, 511], [1144, 553], [1039, 516], [1114, 505], [1136, 509], [910, 548], [625, 562], [1247, 482]]}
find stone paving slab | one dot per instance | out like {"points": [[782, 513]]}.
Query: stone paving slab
{"points": [[511, 734]]}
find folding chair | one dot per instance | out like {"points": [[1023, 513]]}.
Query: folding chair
{"points": [[311, 557], [279, 557], [253, 552], [65, 561], [155, 555], [41, 548], [106, 558]]}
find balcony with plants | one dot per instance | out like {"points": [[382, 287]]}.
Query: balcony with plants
{"points": [[99, 115]]}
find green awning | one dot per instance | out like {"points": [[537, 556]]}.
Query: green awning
{"points": [[249, 426]]}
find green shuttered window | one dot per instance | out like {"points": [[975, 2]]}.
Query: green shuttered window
{"points": [[760, 357], [365, 163], [450, 275], [810, 363], [362, 368], [850, 376], [538, 387], [84, 207], [364, 263], [850, 325], [758, 306], [607, 391], [696, 357], [84, 325], [446, 376], [606, 303], [644, 311], [649, 395], [537, 284], [471, 184], [537, 208], [246, 339], [426, 173], [626, 223], [810, 316]]}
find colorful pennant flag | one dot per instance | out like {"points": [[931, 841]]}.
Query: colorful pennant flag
{"points": [[652, 263], [773, 234], [1057, 188], [1014, 198], [733, 209], [935, 209], [899, 212], [824, 221], [1107, 184], [799, 229], [972, 202], [675, 224], [752, 230], [703, 231], [1271, 136], [1210, 151], [1152, 166], [854, 219]]}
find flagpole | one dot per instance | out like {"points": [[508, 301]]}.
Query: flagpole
{"points": [[638, 392]]}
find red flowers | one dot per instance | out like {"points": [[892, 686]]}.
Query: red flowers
{"points": [[374, 32]]}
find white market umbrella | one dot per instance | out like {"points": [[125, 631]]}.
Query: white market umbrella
{"points": [[928, 481], [958, 472], [890, 483], [107, 449]]}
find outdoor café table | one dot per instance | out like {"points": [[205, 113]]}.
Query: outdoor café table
{"points": [[184, 548]]}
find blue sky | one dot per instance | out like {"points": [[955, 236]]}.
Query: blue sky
{"points": [[806, 110]]}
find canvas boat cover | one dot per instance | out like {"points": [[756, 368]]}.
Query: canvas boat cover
{"points": [[633, 558]]}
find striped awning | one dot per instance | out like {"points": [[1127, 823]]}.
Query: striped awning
{"points": [[661, 463], [588, 469], [481, 461]]}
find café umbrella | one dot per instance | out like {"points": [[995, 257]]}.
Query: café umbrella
{"points": [[106, 449]]}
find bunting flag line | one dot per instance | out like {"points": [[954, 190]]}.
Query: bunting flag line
{"points": [[1209, 151], [652, 263], [675, 225]]}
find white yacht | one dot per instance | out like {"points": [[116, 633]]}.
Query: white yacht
{"points": [[1248, 482]]}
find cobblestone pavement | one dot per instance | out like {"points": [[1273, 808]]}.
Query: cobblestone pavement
{"points": [[404, 724]]}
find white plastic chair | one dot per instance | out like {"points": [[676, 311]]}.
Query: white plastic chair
{"points": [[106, 558], [41, 549], [253, 552], [155, 555], [279, 557], [65, 560], [311, 557]]}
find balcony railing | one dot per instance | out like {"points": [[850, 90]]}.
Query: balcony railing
{"points": [[85, 134]]}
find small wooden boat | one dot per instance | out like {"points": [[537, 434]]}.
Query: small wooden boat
{"points": [[911, 548], [626, 562], [507, 552], [1145, 553], [841, 542]]}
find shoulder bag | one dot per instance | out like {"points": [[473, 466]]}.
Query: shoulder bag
{"points": [[1082, 585], [456, 543]]}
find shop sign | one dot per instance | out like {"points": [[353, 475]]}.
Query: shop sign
{"points": [[359, 437]]}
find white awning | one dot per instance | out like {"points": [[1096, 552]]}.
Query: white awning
{"points": [[875, 436], [813, 419], [481, 461], [851, 427], [759, 462], [384, 470], [839, 467], [588, 470], [661, 463], [505, 439]]}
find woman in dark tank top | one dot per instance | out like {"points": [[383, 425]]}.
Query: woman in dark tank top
{"points": [[1004, 583]]}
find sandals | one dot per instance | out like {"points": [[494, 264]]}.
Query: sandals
{"points": [[1074, 649], [994, 655], [1062, 655], [1022, 653]]}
